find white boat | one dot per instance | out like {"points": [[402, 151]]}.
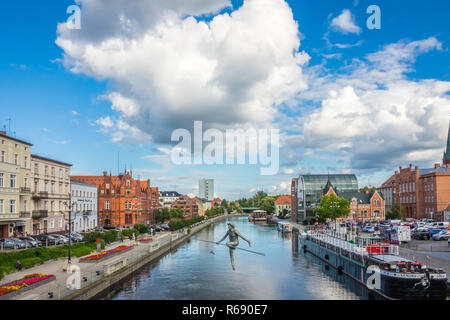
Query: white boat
{"points": [[283, 226]]}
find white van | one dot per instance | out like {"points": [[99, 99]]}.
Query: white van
{"points": [[444, 224]]}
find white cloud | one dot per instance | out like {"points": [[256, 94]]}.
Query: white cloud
{"points": [[75, 113], [105, 122], [345, 23], [168, 71], [375, 116], [288, 171]]}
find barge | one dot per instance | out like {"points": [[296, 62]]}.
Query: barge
{"points": [[377, 266]]}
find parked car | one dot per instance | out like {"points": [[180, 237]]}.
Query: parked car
{"points": [[7, 243], [368, 229], [30, 241], [421, 234], [19, 243], [443, 235], [45, 240], [78, 236], [434, 231], [60, 239], [73, 238]]}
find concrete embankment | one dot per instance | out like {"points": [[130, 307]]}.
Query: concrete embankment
{"points": [[145, 255]]}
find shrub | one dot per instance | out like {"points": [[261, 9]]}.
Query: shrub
{"points": [[141, 228], [128, 232]]}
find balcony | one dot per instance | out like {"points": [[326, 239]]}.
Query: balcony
{"points": [[40, 214], [8, 216], [40, 195], [25, 214], [25, 190]]}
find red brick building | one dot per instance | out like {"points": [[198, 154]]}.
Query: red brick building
{"points": [[216, 203], [424, 193], [364, 206], [188, 205], [122, 200]]}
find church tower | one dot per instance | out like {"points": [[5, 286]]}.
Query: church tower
{"points": [[446, 158]]}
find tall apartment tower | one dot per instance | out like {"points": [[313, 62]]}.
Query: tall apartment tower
{"points": [[206, 189]]}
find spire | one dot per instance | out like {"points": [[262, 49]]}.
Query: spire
{"points": [[446, 159]]}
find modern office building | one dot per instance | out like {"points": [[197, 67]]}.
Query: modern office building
{"points": [[50, 194], [307, 191], [84, 215], [15, 192], [206, 189]]}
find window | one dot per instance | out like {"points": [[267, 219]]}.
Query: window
{"points": [[1, 179], [25, 162], [25, 182], [107, 204], [60, 223], [1, 205], [25, 205], [12, 206], [12, 181], [36, 168], [46, 170], [52, 223], [16, 159], [2, 158]]}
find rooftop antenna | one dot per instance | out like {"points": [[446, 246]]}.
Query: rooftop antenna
{"points": [[9, 126]]}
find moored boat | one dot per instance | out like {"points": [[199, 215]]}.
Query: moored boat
{"points": [[284, 227], [377, 266]]}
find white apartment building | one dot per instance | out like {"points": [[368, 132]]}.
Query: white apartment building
{"points": [[166, 198], [15, 193], [84, 213], [206, 189], [50, 194]]}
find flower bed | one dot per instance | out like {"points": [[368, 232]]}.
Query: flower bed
{"points": [[105, 254], [145, 240], [30, 281]]}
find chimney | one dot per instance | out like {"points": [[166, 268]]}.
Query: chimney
{"points": [[105, 173], [416, 168], [396, 172], [410, 166], [400, 168]]}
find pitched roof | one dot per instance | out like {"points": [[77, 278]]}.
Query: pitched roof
{"points": [[283, 200]]}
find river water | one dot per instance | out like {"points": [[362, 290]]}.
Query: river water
{"points": [[200, 270]]}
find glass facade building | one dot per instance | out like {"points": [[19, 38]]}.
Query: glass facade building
{"points": [[311, 187]]}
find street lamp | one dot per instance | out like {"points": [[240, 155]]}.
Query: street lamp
{"points": [[70, 206]]}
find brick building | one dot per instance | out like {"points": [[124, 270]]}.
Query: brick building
{"points": [[122, 200], [364, 206], [423, 193], [188, 205]]}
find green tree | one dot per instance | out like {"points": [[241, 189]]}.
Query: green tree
{"points": [[268, 204], [397, 212], [332, 207], [366, 188]]}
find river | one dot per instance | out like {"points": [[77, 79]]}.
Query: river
{"points": [[198, 270]]}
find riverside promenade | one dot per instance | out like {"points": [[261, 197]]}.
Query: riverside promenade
{"points": [[95, 277]]}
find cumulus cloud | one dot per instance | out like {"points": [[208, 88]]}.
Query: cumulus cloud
{"points": [[375, 116], [345, 23], [169, 68]]}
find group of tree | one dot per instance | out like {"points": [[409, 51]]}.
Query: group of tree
{"points": [[214, 211], [179, 224], [366, 188], [332, 207], [260, 200], [165, 214], [397, 212], [228, 206]]}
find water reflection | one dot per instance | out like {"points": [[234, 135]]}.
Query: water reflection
{"points": [[192, 272]]}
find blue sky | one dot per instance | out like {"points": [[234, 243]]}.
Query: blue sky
{"points": [[390, 104]]}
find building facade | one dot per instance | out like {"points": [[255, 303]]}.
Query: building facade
{"points": [[364, 206], [387, 191], [283, 205], [206, 189], [188, 205], [84, 215], [423, 193], [166, 198], [15, 192], [307, 191], [122, 200], [216, 203], [50, 194]]}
